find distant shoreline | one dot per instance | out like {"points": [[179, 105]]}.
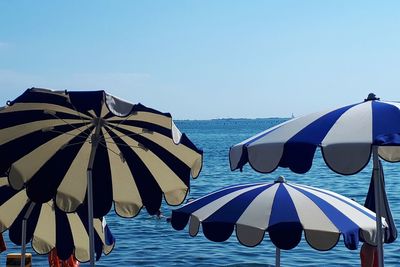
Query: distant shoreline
{"points": [[234, 119]]}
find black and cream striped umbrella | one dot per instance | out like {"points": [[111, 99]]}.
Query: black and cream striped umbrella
{"points": [[49, 228], [77, 145], [46, 139]]}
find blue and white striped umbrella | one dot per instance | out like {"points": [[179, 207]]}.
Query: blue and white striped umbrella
{"points": [[283, 210], [345, 135], [50, 228]]}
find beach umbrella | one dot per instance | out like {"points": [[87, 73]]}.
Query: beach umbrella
{"points": [[283, 210], [47, 227], [347, 137], [62, 144]]}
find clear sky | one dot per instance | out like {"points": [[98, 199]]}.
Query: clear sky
{"points": [[203, 59]]}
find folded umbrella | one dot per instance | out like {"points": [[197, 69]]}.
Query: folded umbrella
{"points": [[391, 231]]}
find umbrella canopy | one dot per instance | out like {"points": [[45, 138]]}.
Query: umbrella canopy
{"points": [[48, 227], [283, 210], [68, 145], [346, 136], [47, 137]]}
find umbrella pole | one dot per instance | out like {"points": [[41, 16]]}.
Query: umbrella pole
{"points": [[95, 142], [377, 185], [277, 257], [24, 222]]}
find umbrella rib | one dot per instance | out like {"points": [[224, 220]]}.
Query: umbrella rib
{"points": [[125, 135], [85, 123], [124, 120], [79, 114], [109, 149], [77, 143], [119, 144], [67, 133], [112, 151]]}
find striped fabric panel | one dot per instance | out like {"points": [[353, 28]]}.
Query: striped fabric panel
{"points": [[345, 136], [283, 210], [49, 228], [47, 137]]}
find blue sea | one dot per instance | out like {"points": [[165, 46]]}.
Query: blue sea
{"points": [[146, 241]]}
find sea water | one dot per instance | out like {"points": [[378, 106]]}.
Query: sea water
{"points": [[147, 241]]}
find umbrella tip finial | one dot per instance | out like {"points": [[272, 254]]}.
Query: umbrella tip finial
{"points": [[280, 179], [371, 96]]}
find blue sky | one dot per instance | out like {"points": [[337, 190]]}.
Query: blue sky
{"points": [[205, 59]]}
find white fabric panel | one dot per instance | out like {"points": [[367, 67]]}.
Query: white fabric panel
{"points": [[117, 106], [266, 132], [71, 192], [346, 158], [287, 130], [44, 236], [333, 194], [11, 208], [265, 157], [347, 146], [258, 213], [249, 235], [80, 237], [368, 226], [154, 118], [172, 186], [176, 134], [194, 225], [22, 170], [359, 218], [310, 215], [321, 240], [204, 212], [235, 152], [354, 126], [49, 91], [126, 195]]}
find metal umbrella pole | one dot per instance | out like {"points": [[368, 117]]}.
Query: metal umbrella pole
{"points": [[95, 142], [24, 222], [277, 257], [377, 181]]}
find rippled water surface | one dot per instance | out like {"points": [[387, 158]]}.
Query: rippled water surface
{"points": [[145, 241]]}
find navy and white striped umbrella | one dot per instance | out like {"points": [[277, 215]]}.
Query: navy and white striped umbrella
{"points": [[48, 227], [46, 137], [283, 210], [71, 145], [347, 137]]}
